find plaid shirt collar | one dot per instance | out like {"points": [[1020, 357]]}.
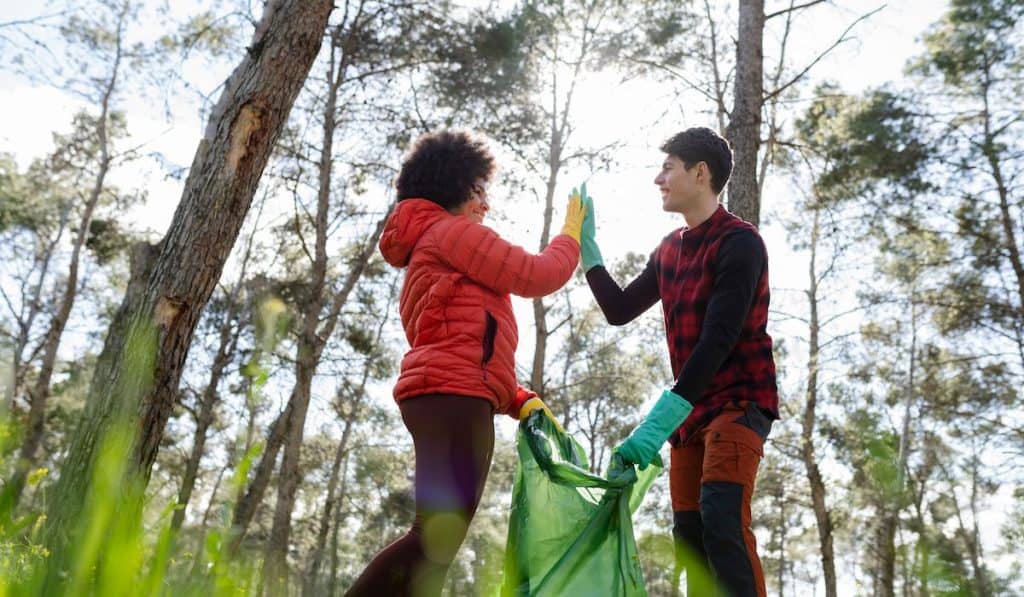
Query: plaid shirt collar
{"points": [[696, 235]]}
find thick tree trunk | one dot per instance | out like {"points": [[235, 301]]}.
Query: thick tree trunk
{"points": [[817, 485], [744, 131], [131, 386], [229, 333]]}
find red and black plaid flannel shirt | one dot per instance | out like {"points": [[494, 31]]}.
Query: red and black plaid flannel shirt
{"points": [[686, 264]]}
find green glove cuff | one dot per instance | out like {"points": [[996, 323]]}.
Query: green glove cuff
{"points": [[590, 255], [667, 415]]}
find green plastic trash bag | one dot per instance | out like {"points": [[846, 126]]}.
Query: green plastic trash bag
{"points": [[570, 531]]}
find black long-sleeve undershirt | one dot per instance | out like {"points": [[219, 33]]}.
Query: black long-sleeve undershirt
{"points": [[739, 264]]}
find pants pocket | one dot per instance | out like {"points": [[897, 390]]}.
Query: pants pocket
{"points": [[756, 420], [730, 459]]}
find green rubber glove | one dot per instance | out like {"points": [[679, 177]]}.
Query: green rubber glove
{"points": [[590, 255], [641, 447]]}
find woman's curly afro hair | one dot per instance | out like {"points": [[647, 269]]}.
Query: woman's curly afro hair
{"points": [[442, 166]]}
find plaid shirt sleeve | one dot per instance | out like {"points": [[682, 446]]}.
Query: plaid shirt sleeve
{"points": [[740, 263]]}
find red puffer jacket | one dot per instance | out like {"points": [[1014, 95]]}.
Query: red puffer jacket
{"points": [[455, 303]]}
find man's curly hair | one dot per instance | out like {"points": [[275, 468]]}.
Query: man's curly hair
{"points": [[442, 166], [701, 144]]}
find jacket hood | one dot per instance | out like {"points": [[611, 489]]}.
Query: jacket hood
{"points": [[406, 224]]}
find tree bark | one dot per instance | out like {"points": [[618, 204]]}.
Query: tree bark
{"points": [[744, 132], [41, 388], [229, 332], [817, 485], [34, 304], [313, 339], [247, 503], [335, 497], [886, 565], [540, 310], [138, 389], [991, 151], [225, 351]]}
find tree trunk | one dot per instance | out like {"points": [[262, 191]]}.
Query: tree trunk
{"points": [[27, 320], [312, 344], [247, 503], [310, 583], [309, 348], [540, 311], [230, 330], [981, 582], [817, 485], [137, 377], [225, 352], [886, 571], [990, 149], [290, 475], [332, 583], [744, 130], [41, 388]]}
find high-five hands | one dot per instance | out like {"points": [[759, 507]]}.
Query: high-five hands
{"points": [[590, 254]]}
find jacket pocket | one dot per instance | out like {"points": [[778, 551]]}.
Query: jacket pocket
{"points": [[490, 332]]}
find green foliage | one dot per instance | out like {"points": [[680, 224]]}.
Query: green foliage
{"points": [[209, 33], [971, 38], [493, 66], [873, 144], [106, 240], [112, 551]]}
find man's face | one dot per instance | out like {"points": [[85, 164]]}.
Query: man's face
{"points": [[680, 188]]}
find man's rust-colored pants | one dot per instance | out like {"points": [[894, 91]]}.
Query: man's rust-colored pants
{"points": [[711, 479]]}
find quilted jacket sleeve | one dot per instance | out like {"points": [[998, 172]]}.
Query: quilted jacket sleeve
{"points": [[489, 260], [522, 395]]}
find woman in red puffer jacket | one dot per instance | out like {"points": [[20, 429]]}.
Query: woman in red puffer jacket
{"points": [[460, 367]]}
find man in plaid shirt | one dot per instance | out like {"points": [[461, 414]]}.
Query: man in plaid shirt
{"points": [[711, 277]]}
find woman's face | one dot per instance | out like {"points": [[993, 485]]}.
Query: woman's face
{"points": [[477, 206]]}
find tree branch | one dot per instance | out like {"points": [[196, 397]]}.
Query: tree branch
{"points": [[792, 9], [842, 38]]}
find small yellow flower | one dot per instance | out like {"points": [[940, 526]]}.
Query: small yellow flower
{"points": [[37, 475]]}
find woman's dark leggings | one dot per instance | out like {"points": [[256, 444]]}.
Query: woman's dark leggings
{"points": [[454, 440]]}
